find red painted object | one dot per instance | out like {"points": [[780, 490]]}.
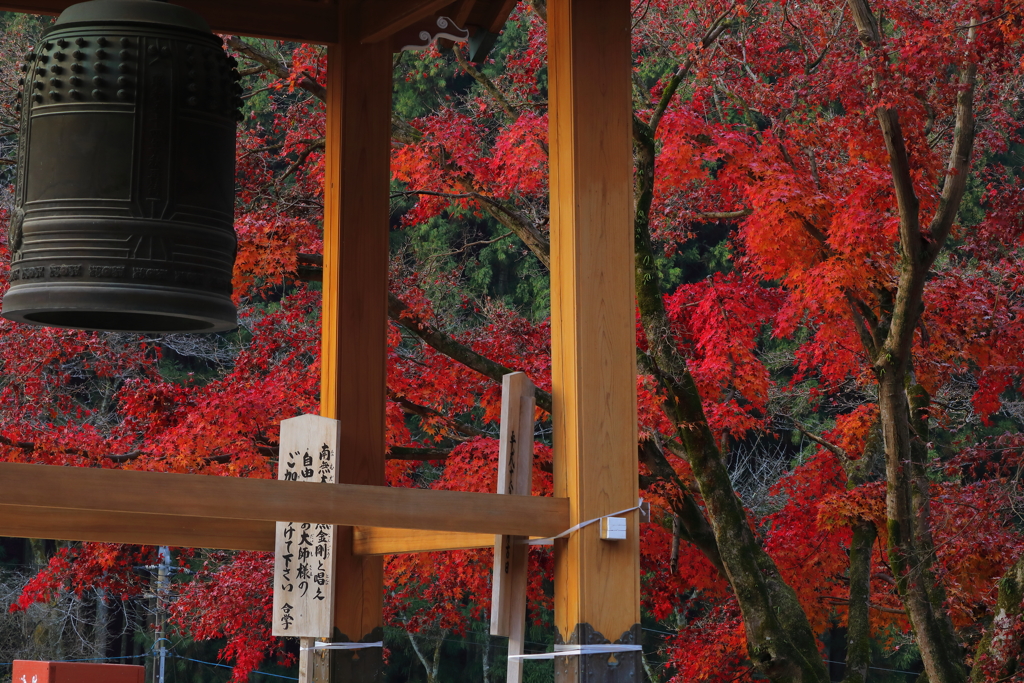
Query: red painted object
{"points": [[76, 672]]}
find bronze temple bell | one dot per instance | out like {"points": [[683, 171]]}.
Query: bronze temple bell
{"points": [[124, 202]]}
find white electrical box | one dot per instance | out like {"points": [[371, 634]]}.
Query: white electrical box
{"points": [[613, 528]]}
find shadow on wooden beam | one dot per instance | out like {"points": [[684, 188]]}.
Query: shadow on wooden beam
{"points": [[380, 20], [309, 21], [382, 541], [138, 529], [195, 532]]}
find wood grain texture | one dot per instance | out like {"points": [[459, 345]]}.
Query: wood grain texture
{"points": [[193, 495], [517, 608], [381, 541], [515, 477], [461, 11], [354, 345], [300, 20], [310, 21], [592, 297], [198, 532], [303, 603], [489, 15], [381, 20], [497, 14], [137, 528]]}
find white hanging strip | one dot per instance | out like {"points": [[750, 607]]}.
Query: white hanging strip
{"points": [[344, 646], [578, 650], [551, 540]]}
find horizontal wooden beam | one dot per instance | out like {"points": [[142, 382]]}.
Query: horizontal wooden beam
{"points": [[136, 528], [191, 495], [305, 21], [18, 521], [461, 12], [486, 15], [310, 21], [498, 15], [378, 541], [380, 20]]}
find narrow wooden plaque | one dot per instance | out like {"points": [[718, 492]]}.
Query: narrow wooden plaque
{"points": [[511, 554], [303, 556]]}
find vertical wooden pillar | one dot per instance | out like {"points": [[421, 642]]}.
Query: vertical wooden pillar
{"points": [[597, 583], [354, 351]]}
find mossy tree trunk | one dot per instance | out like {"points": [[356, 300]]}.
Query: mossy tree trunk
{"points": [[858, 627], [999, 652], [858, 471], [887, 332], [780, 642]]}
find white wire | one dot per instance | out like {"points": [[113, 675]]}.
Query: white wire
{"points": [[577, 650], [343, 646], [551, 539]]}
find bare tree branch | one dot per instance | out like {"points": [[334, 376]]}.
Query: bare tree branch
{"points": [[487, 83], [277, 67], [424, 411], [404, 316]]}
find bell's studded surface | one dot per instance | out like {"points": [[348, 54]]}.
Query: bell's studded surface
{"points": [[125, 189]]}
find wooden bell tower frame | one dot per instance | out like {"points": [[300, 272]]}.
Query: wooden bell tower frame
{"points": [[597, 588]]}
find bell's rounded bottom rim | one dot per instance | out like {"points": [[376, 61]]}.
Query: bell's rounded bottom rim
{"points": [[118, 307]]}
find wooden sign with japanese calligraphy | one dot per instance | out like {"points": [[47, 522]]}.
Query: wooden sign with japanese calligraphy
{"points": [[303, 556]]}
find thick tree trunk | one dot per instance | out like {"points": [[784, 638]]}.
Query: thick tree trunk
{"points": [[37, 551], [688, 522], [858, 628], [652, 675], [920, 503], [101, 630], [999, 652], [942, 657], [780, 642], [485, 656], [432, 664], [889, 343]]}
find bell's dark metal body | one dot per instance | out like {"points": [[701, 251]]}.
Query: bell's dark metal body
{"points": [[125, 189]]}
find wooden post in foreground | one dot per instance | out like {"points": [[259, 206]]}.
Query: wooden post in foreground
{"points": [[511, 554], [597, 583], [354, 352]]}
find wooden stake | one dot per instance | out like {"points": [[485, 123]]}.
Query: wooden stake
{"points": [[306, 660], [517, 609], [511, 554]]}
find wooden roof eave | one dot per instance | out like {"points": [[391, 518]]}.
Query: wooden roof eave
{"points": [[310, 21]]}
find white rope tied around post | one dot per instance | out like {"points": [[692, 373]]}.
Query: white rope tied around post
{"points": [[578, 650], [343, 646], [551, 539]]}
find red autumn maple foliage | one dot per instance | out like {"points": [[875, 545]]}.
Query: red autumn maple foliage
{"points": [[774, 137]]}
